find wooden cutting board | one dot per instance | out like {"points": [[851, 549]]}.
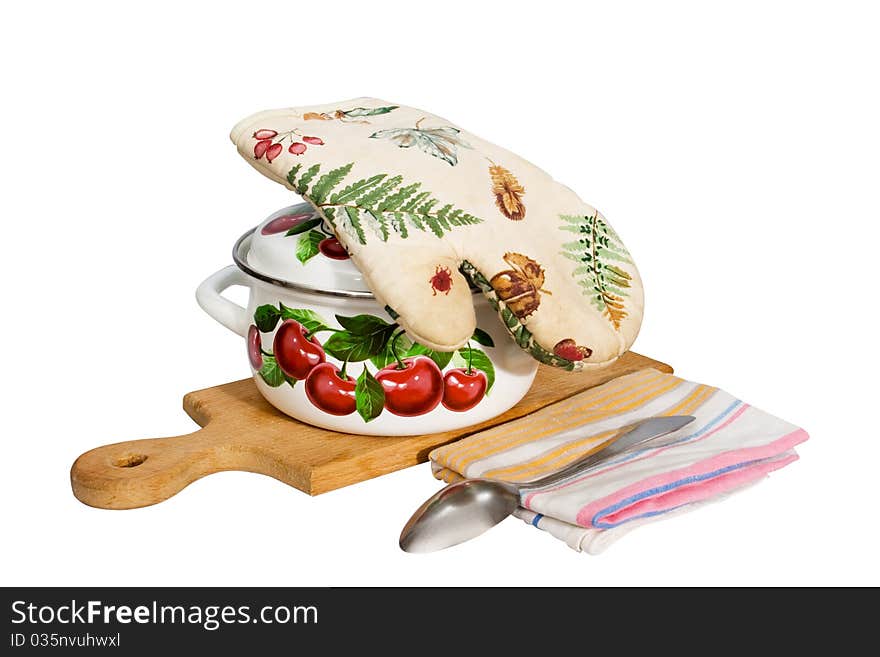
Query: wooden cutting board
{"points": [[242, 431]]}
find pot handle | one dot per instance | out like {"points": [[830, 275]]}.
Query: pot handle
{"points": [[228, 313]]}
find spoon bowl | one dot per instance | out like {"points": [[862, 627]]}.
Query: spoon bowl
{"points": [[464, 509]]}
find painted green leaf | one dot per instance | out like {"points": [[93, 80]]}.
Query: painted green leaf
{"points": [[347, 346], [386, 357], [362, 324], [365, 336], [369, 396], [310, 320], [271, 373], [479, 360], [304, 226], [266, 318], [369, 111], [483, 338], [307, 246], [442, 358]]}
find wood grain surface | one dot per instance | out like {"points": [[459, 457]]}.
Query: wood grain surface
{"points": [[241, 431]]}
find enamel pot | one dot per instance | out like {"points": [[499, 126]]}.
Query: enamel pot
{"points": [[325, 352]]}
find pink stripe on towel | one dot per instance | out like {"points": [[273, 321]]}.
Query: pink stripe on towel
{"points": [[684, 486]]}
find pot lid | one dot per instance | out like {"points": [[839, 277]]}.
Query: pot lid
{"points": [[295, 248]]}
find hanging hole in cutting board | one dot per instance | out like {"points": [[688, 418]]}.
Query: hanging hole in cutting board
{"points": [[130, 461]]}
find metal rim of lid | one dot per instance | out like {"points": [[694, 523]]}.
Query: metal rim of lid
{"points": [[239, 256]]}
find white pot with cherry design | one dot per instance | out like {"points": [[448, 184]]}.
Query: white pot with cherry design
{"points": [[323, 351]]}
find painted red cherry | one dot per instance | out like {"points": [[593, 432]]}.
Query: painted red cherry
{"points": [[297, 148], [254, 346], [265, 134], [296, 354], [261, 147], [316, 141], [285, 222], [414, 390], [462, 390], [327, 390], [273, 151], [331, 248]]}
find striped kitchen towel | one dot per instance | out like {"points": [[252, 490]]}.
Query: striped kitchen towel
{"points": [[730, 445]]}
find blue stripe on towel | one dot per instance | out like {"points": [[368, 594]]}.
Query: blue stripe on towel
{"points": [[537, 519], [661, 489]]}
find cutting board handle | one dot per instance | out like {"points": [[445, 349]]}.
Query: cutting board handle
{"points": [[139, 473]]}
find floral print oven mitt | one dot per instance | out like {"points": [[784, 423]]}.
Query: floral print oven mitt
{"points": [[424, 208]]}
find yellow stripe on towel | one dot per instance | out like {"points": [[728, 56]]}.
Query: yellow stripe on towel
{"points": [[692, 402], [501, 438], [551, 461], [546, 421], [631, 393]]}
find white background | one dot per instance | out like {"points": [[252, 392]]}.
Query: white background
{"points": [[736, 150]]}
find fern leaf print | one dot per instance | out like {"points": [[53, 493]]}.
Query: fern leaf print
{"points": [[378, 205], [599, 254]]}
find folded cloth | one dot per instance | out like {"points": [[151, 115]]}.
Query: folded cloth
{"points": [[728, 446]]}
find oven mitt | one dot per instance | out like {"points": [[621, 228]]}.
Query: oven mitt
{"points": [[426, 209]]}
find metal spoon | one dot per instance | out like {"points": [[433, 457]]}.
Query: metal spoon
{"points": [[465, 509]]}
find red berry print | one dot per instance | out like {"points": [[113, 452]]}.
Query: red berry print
{"points": [[462, 390], [265, 146], [255, 347], [261, 147], [330, 390], [414, 390], [273, 151], [441, 281], [265, 134], [284, 223], [295, 353], [569, 350], [331, 248]]}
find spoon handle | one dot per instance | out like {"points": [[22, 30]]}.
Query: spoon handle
{"points": [[629, 439]]}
